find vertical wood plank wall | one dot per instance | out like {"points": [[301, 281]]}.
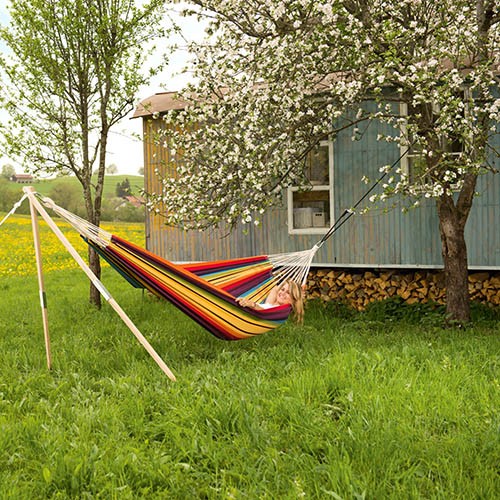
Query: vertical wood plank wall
{"points": [[383, 237]]}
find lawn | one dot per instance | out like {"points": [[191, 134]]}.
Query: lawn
{"points": [[385, 404]]}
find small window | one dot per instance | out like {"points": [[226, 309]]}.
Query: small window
{"points": [[413, 163], [310, 211]]}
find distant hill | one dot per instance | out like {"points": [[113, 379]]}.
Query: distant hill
{"points": [[45, 186]]}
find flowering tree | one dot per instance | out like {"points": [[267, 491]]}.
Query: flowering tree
{"points": [[275, 77], [71, 71]]}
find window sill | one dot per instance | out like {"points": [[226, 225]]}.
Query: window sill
{"points": [[309, 230]]}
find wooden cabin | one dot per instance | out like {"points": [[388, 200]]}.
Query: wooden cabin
{"points": [[379, 240], [22, 178]]}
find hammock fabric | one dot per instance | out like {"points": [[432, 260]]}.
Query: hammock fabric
{"points": [[206, 291]]}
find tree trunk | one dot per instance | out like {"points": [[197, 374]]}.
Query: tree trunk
{"points": [[94, 259], [95, 266], [454, 253], [93, 256]]}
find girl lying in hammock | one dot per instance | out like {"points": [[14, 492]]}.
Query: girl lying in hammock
{"points": [[288, 292]]}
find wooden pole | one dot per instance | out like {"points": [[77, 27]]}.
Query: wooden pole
{"points": [[97, 283], [41, 285]]}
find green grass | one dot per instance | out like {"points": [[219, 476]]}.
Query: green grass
{"points": [[346, 406]]}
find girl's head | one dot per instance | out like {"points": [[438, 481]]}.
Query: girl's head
{"points": [[290, 292]]}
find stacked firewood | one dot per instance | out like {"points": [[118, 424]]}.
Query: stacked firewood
{"points": [[359, 288]]}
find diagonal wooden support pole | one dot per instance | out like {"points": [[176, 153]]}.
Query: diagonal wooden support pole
{"points": [[97, 283], [41, 285]]}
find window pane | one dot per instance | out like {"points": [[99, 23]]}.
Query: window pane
{"points": [[417, 169], [317, 166], [311, 209]]}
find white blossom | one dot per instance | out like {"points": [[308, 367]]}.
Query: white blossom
{"points": [[290, 70]]}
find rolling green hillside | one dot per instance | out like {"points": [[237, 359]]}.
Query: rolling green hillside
{"points": [[45, 186], [67, 192]]}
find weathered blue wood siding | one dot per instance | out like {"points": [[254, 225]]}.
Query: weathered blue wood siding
{"points": [[383, 237]]}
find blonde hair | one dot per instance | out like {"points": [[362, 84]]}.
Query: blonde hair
{"points": [[296, 300]]}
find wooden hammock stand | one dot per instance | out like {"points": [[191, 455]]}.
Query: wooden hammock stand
{"points": [[35, 209]]}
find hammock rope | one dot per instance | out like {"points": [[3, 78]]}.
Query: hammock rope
{"points": [[88, 230], [14, 208], [349, 212], [292, 266]]}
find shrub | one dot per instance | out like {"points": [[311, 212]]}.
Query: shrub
{"points": [[396, 309]]}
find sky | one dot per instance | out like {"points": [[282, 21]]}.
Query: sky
{"points": [[125, 148]]}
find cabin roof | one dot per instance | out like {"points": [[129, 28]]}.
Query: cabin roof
{"points": [[158, 103], [137, 201], [162, 102]]}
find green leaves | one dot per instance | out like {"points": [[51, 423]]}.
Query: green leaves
{"points": [[71, 71]]}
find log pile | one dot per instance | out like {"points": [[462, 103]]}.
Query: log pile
{"points": [[359, 288]]}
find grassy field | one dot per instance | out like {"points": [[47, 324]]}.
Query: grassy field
{"points": [[44, 186], [17, 254], [385, 404]]}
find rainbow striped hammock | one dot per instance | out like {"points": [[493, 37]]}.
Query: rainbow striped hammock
{"points": [[205, 291]]}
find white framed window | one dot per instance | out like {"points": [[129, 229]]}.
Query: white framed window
{"points": [[311, 211], [413, 163]]}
